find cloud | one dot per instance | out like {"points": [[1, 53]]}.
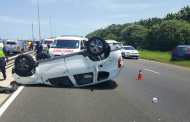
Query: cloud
{"points": [[19, 21], [116, 16], [42, 1]]}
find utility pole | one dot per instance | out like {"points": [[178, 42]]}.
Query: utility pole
{"points": [[55, 30], [26, 32], [32, 33], [39, 22], [50, 24]]}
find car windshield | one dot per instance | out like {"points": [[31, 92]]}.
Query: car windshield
{"points": [[68, 44], [129, 48], [182, 49], [49, 42]]}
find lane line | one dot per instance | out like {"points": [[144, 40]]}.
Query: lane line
{"points": [[9, 101], [152, 71]]}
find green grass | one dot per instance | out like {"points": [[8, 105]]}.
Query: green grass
{"points": [[162, 57]]}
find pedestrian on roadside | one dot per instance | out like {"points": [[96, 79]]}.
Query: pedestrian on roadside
{"points": [[135, 45], [47, 48], [3, 53], [32, 45], [39, 49]]}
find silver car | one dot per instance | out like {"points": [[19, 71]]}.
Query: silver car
{"points": [[14, 46]]}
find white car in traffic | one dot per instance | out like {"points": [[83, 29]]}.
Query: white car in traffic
{"points": [[130, 52], [99, 63], [67, 44]]}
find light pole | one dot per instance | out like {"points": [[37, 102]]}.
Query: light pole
{"points": [[55, 30], [50, 24], [39, 22], [26, 32]]}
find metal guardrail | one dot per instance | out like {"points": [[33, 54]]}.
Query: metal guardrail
{"points": [[13, 57]]}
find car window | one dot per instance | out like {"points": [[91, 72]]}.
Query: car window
{"points": [[49, 42], [119, 44], [68, 44], [182, 49], [129, 48], [11, 43], [85, 43], [81, 44]]}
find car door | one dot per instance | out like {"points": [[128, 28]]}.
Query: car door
{"points": [[81, 72], [55, 72]]}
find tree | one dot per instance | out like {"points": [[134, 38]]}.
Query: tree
{"points": [[111, 36]]}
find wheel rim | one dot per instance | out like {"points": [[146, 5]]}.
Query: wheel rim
{"points": [[96, 46], [23, 64]]}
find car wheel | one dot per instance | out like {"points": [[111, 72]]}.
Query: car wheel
{"points": [[24, 63], [43, 56], [8, 53], [137, 58], [96, 45]]}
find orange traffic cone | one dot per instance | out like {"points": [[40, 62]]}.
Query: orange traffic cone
{"points": [[140, 76]]}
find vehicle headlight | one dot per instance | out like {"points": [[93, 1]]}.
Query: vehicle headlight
{"points": [[127, 53]]}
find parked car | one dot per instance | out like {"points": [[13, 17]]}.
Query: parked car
{"points": [[76, 69], [130, 52], [181, 52], [14, 46]]}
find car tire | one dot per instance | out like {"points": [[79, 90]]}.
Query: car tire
{"points": [[8, 53], [137, 58], [99, 47], [24, 63], [43, 56]]}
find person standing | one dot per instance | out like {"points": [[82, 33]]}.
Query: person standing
{"points": [[38, 48], [3, 53], [47, 48], [32, 45], [135, 45]]}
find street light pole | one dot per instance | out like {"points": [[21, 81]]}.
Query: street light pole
{"points": [[39, 22], [50, 24], [55, 30]]}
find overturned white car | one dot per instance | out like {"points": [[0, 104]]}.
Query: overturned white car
{"points": [[100, 63]]}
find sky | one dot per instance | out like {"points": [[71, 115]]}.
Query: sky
{"points": [[76, 17]]}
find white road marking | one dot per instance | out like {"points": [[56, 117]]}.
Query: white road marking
{"points": [[9, 101], [152, 71]]}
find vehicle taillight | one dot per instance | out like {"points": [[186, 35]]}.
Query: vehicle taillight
{"points": [[189, 49], [17, 48], [174, 49], [119, 63]]}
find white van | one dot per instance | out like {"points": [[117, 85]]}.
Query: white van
{"points": [[49, 41], [67, 44]]}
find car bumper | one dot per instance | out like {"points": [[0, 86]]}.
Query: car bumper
{"points": [[130, 55]]}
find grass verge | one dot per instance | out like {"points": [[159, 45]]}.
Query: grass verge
{"points": [[162, 57]]}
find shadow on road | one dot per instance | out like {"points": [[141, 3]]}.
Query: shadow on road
{"points": [[109, 86]]}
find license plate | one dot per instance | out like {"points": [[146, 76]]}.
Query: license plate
{"points": [[180, 54]]}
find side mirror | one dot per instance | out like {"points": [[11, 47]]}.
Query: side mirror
{"points": [[82, 47]]}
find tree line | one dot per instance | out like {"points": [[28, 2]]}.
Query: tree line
{"points": [[160, 34]]}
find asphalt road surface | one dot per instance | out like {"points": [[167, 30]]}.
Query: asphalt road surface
{"points": [[124, 99]]}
